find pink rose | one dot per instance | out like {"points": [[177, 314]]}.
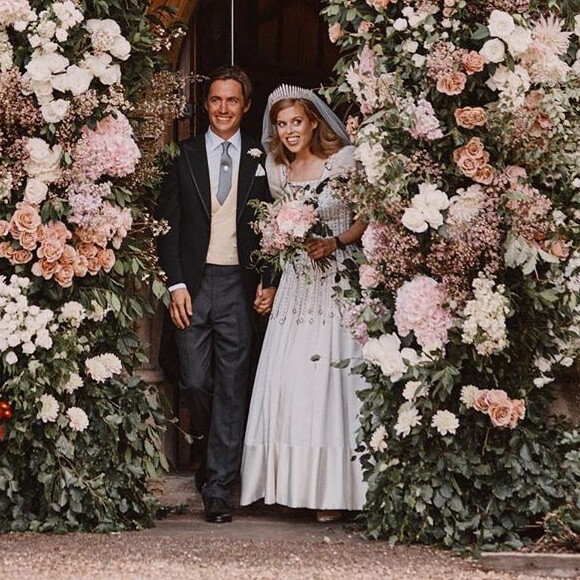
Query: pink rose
{"points": [[451, 83], [4, 227], [369, 276], [501, 413], [64, 275]]}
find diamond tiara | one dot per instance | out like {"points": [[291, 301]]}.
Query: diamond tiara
{"points": [[290, 92]]}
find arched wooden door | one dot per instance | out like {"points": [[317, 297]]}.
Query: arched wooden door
{"points": [[275, 41]]}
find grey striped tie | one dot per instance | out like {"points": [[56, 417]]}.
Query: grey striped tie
{"points": [[225, 181]]}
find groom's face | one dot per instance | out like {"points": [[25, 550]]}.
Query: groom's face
{"points": [[225, 106]]}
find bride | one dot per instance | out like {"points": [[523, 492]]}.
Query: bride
{"points": [[299, 449]]}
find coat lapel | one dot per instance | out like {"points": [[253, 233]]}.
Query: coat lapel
{"points": [[196, 159], [246, 176]]}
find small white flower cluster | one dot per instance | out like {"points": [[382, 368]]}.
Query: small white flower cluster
{"points": [[386, 352], [103, 367], [378, 442], [485, 317], [21, 324]]}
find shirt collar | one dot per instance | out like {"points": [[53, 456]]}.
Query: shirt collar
{"points": [[213, 141]]}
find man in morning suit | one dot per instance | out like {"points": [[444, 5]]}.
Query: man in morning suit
{"points": [[215, 293]]}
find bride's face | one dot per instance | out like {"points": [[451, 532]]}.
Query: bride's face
{"points": [[295, 129]]}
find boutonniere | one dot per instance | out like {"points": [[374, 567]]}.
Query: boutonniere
{"points": [[255, 152]]}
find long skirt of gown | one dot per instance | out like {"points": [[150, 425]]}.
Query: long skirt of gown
{"points": [[299, 449]]}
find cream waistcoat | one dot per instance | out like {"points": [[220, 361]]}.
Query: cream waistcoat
{"points": [[223, 247]]}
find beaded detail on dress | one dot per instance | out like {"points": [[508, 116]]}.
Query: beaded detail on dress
{"points": [[306, 292]]}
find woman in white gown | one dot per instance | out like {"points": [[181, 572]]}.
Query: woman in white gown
{"points": [[299, 449]]}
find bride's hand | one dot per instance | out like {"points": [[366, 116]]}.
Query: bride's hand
{"points": [[320, 248]]}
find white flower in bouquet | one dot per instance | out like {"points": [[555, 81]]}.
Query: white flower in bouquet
{"points": [[500, 24], [493, 50], [425, 210], [67, 13], [49, 411], [378, 441], [41, 68], [106, 37], [384, 352], [76, 79], [121, 48], [11, 358], [519, 41], [407, 419], [445, 422], [414, 390], [35, 191], [469, 395], [72, 312], [55, 111], [73, 383], [78, 420], [103, 367], [44, 161]]}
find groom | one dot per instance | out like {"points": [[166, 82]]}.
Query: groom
{"points": [[206, 256]]}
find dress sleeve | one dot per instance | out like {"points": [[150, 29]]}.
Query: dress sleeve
{"points": [[274, 174], [342, 161]]}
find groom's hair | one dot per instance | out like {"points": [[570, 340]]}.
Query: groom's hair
{"points": [[234, 73]]}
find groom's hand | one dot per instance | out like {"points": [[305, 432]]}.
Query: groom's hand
{"points": [[264, 299], [180, 308]]}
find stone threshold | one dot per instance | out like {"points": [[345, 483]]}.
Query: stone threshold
{"points": [[539, 564]]}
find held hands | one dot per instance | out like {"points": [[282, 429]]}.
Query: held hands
{"points": [[264, 299], [180, 308], [320, 248]]}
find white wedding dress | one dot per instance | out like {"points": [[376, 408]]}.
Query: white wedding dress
{"points": [[299, 449]]}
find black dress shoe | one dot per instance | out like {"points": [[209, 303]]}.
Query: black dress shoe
{"points": [[217, 510]]}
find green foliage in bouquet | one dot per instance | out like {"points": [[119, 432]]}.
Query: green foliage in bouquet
{"points": [[87, 99], [464, 297]]}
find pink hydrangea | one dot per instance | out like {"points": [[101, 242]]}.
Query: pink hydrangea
{"points": [[419, 308], [107, 150], [373, 242]]}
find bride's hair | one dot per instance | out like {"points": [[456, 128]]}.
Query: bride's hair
{"points": [[324, 141]]}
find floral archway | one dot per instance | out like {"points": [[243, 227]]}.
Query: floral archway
{"points": [[85, 102], [465, 295]]}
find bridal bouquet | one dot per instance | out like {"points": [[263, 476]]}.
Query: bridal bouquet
{"points": [[286, 224]]}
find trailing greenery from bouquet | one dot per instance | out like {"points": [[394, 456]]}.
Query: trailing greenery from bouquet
{"points": [[464, 296], [86, 99]]}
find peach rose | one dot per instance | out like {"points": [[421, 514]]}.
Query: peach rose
{"points": [[335, 32], [21, 256], [29, 240], [4, 227], [481, 402], [559, 249], [518, 412], [6, 250], [58, 230], [470, 117], [451, 83], [106, 259], [50, 249], [69, 255], [475, 148], [501, 413], [472, 62], [87, 249], [80, 266], [466, 163], [45, 269], [25, 218], [93, 265], [64, 275], [484, 174]]}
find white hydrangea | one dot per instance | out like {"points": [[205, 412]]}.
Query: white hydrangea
{"points": [[49, 411], [78, 420], [445, 422], [485, 317], [103, 367]]}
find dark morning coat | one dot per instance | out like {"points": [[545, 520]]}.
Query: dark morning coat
{"points": [[185, 203]]}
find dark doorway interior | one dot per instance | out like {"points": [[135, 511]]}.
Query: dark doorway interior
{"points": [[275, 41]]}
